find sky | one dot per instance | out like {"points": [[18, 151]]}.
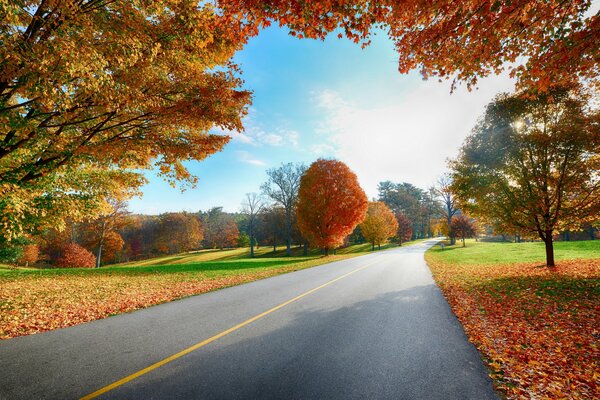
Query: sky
{"points": [[330, 99]]}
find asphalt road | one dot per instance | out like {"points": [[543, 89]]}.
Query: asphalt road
{"points": [[382, 330]]}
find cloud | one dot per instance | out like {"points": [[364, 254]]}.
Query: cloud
{"points": [[246, 157], [256, 135], [405, 137]]}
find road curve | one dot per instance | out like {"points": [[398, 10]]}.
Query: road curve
{"points": [[371, 327]]}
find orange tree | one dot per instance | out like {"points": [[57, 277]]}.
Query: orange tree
{"points": [[379, 225], [330, 203]]}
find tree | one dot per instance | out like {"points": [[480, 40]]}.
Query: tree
{"points": [[379, 224], [220, 229], [282, 188], [462, 40], [330, 203], [449, 202], [404, 228], [178, 233], [271, 229], [92, 92], [463, 227], [97, 230], [31, 253], [252, 206], [532, 164], [75, 256]]}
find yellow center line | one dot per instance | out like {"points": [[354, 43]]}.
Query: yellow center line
{"points": [[182, 353]]}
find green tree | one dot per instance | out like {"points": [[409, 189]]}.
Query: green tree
{"points": [[532, 164]]}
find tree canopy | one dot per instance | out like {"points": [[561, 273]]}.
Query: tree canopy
{"points": [[379, 225], [531, 164], [331, 203]]}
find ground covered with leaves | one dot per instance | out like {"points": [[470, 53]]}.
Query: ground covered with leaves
{"points": [[34, 301], [536, 328]]}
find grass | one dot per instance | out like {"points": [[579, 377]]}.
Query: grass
{"points": [[502, 253], [535, 327], [35, 300]]}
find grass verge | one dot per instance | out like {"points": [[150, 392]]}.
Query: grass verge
{"points": [[536, 328], [37, 300]]}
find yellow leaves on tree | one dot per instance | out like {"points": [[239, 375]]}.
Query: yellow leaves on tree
{"points": [[330, 203], [92, 91], [379, 225], [31, 253]]}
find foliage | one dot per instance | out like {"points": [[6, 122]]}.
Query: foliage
{"points": [[220, 229], [531, 165], [31, 253], [330, 203], [536, 328], [75, 256], [282, 187], [243, 240], [463, 227], [93, 91], [178, 232], [419, 206], [11, 251], [465, 40], [404, 232], [379, 225]]}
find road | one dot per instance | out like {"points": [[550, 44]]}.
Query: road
{"points": [[370, 327]]}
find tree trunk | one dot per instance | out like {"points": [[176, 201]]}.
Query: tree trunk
{"points": [[373, 246], [326, 251], [549, 249], [288, 233], [305, 251], [378, 247], [251, 241], [463, 240], [99, 255]]}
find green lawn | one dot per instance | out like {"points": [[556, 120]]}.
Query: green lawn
{"points": [[506, 253], [210, 263]]}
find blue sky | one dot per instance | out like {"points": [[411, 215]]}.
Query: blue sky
{"points": [[330, 99]]}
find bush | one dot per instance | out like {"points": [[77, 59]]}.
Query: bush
{"points": [[31, 253], [75, 256]]}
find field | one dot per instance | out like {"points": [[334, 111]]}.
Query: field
{"points": [[537, 328], [37, 300]]}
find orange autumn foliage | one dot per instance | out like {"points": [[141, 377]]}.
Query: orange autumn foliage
{"points": [[75, 256], [380, 223], [330, 203], [536, 328]]}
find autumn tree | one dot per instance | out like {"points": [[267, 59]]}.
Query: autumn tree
{"points": [[282, 187], [330, 203], [107, 223], [463, 227], [92, 92], [404, 228], [252, 206], [220, 229], [532, 163], [271, 229], [31, 253], [448, 201], [75, 256], [379, 225], [179, 232]]}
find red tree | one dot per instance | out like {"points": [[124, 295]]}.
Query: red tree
{"points": [[330, 203], [463, 227], [75, 256], [404, 228]]}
